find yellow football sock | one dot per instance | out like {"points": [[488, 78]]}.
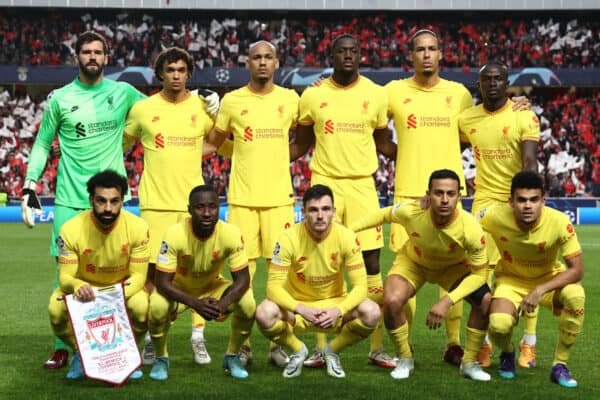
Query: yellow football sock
{"points": [[240, 331], [375, 293], [282, 333], [320, 340], [159, 341], [452, 320], [410, 309], [352, 332], [531, 322], [399, 337], [570, 322], [475, 339]]}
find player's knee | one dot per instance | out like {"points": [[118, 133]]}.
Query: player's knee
{"points": [[369, 312], [572, 296], [57, 312], [501, 323], [394, 299], [138, 306], [158, 311], [267, 313]]}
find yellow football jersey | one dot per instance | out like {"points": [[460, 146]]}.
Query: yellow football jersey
{"points": [[172, 135], [198, 263], [91, 254], [496, 138], [344, 119], [426, 122], [436, 247], [531, 254], [260, 123], [314, 270]]}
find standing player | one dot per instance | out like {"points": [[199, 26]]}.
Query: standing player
{"points": [[345, 116], [99, 248], [446, 246], [260, 116], [88, 115], [306, 290], [530, 238], [425, 111], [188, 274], [505, 142], [172, 126]]}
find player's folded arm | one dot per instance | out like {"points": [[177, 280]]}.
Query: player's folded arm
{"points": [[470, 283], [357, 275], [67, 276], [275, 287], [572, 275], [240, 285], [373, 219]]}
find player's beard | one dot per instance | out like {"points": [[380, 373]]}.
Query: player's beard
{"points": [[107, 218], [91, 75]]}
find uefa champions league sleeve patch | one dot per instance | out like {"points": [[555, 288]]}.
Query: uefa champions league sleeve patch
{"points": [[276, 259], [60, 243], [164, 247]]}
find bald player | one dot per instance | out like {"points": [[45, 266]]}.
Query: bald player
{"points": [[260, 116]]}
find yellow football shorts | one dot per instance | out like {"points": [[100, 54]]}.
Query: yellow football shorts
{"points": [[159, 222], [261, 227], [353, 199], [417, 274], [514, 290]]}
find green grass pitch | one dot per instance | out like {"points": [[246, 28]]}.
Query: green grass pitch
{"points": [[25, 342]]}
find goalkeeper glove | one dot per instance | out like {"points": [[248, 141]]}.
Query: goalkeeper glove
{"points": [[211, 99], [30, 203]]}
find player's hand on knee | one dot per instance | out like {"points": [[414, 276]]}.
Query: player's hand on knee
{"points": [[85, 293], [208, 308], [211, 99], [530, 302], [438, 312], [30, 204]]}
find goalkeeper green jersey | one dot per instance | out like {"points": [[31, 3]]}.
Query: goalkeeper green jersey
{"points": [[89, 122]]}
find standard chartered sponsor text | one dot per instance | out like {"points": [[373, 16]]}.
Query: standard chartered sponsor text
{"points": [[496, 154], [269, 133], [434, 122], [103, 126], [350, 127]]}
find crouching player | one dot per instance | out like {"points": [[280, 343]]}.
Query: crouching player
{"points": [[306, 290], [188, 275], [530, 237], [97, 248], [445, 246]]}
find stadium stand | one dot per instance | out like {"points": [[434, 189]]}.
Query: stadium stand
{"points": [[135, 37]]}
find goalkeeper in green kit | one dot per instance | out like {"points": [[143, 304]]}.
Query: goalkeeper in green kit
{"points": [[88, 115]]}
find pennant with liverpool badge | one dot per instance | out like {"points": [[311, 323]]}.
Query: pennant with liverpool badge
{"points": [[104, 336]]}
